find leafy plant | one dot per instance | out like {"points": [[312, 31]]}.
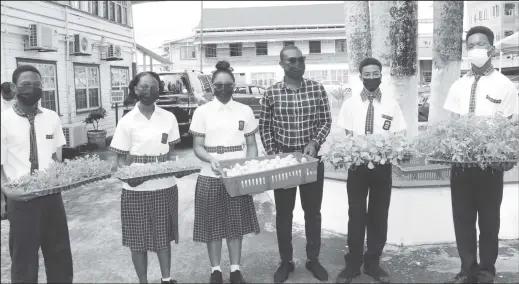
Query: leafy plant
{"points": [[470, 139], [94, 117], [370, 150]]}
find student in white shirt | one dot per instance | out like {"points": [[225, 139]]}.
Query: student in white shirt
{"points": [[7, 102], [149, 210], [370, 112], [220, 129], [30, 136], [477, 193]]}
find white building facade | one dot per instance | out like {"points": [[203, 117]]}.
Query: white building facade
{"points": [[83, 49], [251, 39]]}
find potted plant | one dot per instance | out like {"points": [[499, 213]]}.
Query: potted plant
{"points": [[96, 137]]}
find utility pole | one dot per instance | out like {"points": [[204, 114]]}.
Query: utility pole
{"points": [[201, 36]]}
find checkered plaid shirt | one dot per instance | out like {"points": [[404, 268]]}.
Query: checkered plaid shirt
{"points": [[33, 153], [472, 103], [294, 118], [370, 115]]}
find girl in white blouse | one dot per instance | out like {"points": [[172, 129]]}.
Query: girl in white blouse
{"points": [[149, 210], [220, 129]]}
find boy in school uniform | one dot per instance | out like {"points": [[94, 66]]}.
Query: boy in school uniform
{"points": [[30, 137], [477, 193], [370, 112]]}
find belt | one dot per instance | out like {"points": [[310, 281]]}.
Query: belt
{"points": [[223, 149], [149, 159]]}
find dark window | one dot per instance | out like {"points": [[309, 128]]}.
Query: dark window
{"points": [[262, 48], [86, 81], [105, 9], [315, 46], [210, 50], [112, 11], [509, 33], [340, 45], [95, 8], [236, 49], [290, 42]]}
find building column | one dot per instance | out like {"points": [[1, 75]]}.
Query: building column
{"points": [[143, 62], [151, 64]]}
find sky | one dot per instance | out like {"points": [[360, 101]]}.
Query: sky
{"points": [[156, 22]]}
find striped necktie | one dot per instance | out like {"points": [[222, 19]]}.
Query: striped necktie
{"points": [[33, 155], [370, 116], [472, 104]]}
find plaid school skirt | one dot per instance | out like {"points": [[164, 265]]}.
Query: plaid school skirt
{"points": [[149, 218], [220, 216]]}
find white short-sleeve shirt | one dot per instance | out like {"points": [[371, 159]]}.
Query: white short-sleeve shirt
{"points": [[495, 93], [388, 117], [16, 141], [137, 136], [7, 104], [224, 125]]}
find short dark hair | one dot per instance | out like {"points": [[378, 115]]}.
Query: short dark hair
{"points": [[223, 67], [24, 68], [369, 61], [133, 83], [287, 47], [6, 88], [481, 30]]}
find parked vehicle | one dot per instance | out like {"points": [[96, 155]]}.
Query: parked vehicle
{"points": [[183, 92], [250, 95]]}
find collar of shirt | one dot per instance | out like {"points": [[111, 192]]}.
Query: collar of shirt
{"points": [[487, 72], [283, 85], [21, 113], [221, 106], [365, 94]]}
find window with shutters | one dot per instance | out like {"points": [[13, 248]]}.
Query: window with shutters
{"points": [[120, 79], [236, 49], [210, 50], [262, 48], [340, 45]]}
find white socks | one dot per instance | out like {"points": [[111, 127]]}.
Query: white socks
{"points": [[217, 268], [166, 279]]}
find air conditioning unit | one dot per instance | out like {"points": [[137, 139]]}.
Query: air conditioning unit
{"points": [[117, 97], [81, 45], [75, 135], [115, 52], [41, 38]]}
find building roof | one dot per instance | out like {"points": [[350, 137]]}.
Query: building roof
{"points": [[274, 16]]}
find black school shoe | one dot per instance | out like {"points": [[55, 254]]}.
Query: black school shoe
{"points": [[216, 277], [379, 274], [461, 279], [171, 281], [347, 275], [317, 270], [283, 271], [236, 277]]}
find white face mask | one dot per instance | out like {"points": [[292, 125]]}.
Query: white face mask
{"points": [[478, 56]]}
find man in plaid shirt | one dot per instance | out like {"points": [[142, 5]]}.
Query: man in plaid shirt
{"points": [[295, 117]]}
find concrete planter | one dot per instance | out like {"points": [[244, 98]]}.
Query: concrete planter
{"points": [[97, 138]]}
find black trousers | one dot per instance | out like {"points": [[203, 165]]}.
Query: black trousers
{"points": [[378, 183], [41, 222], [311, 195], [477, 194]]}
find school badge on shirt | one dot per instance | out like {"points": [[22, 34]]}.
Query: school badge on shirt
{"points": [[387, 122], [241, 125], [164, 139]]}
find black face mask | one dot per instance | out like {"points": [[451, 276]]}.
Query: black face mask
{"points": [[224, 94], [371, 84], [148, 97], [29, 95]]}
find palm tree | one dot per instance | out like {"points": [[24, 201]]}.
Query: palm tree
{"points": [[403, 83], [358, 39], [447, 50]]}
